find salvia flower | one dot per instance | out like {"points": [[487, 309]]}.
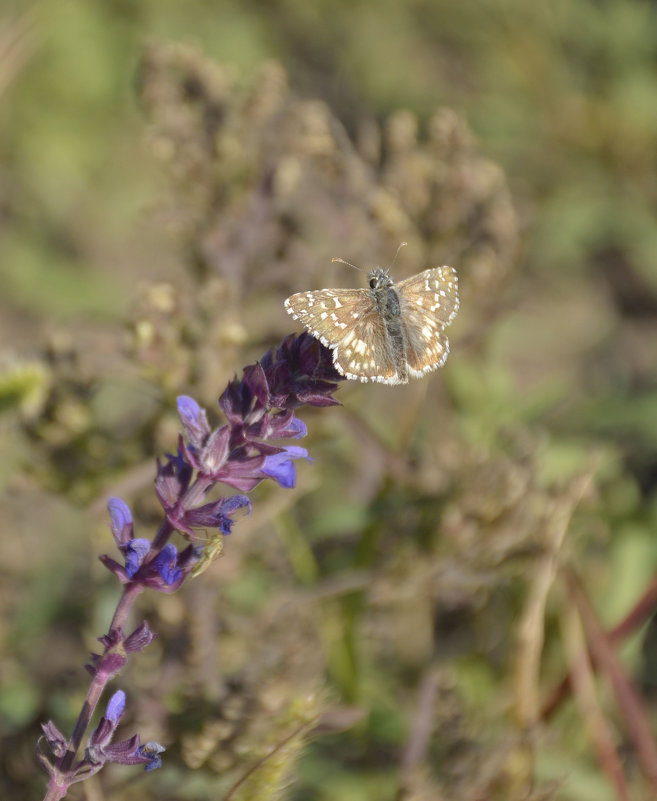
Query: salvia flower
{"points": [[127, 752], [103, 733], [162, 569], [280, 466], [135, 552], [215, 515], [260, 411]]}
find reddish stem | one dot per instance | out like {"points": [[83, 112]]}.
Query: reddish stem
{"points": [[99, 681], [628, 699], [637, 616]]}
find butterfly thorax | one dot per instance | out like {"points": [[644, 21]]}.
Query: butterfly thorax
{"points": [[383, 293]]}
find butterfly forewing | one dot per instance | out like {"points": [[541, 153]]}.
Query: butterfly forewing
{"points": [[429, 302], [346, 321], [433, 292], [326, 313]]}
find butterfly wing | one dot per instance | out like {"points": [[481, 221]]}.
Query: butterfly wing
{"points": [[429, 302], [346, 321]]}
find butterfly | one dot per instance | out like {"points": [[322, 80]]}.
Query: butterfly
{"points": [[386, 333]]}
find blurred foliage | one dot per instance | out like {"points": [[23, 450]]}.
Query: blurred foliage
{"points": [[169, 173]]}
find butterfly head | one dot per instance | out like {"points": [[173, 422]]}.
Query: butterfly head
{"points": [[378, 279]]}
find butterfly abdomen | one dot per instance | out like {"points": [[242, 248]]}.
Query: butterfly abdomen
{"points": [[394, 329]]}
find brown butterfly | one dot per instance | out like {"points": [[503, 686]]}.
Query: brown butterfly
{"points": [[385, 333]]}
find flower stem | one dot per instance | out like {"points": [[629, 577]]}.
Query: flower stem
{"points": [[99, 681], [130, 593], [55, 790]]}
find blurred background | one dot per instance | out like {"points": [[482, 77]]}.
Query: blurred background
{"points": [[169, 173]]}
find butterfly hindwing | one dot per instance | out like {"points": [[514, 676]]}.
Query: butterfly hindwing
{"points": [[429, 302], [364, 352]]}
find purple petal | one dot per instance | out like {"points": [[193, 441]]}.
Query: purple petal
{"points": [[115, 707], [215, 452], [174, 476], [256, 380], [120, 520], [115, 567], [242, 474], [100, 737], [194, 420], [298, 427]]}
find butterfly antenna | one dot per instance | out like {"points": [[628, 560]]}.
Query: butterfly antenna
{"points": [[392, 263], [348, 263]]}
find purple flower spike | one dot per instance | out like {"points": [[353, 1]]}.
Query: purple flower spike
{"points": [[259, 411], [300, 371], [280, 467]]}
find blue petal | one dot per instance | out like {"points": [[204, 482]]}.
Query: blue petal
{"points": [[135, 552], [166, 564], [235, 502], [294, 452], [194, 420], [188, 409], [280, 467], [152, 751], [284, 473], [115, 707], [120, 515], [299, 428]]}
